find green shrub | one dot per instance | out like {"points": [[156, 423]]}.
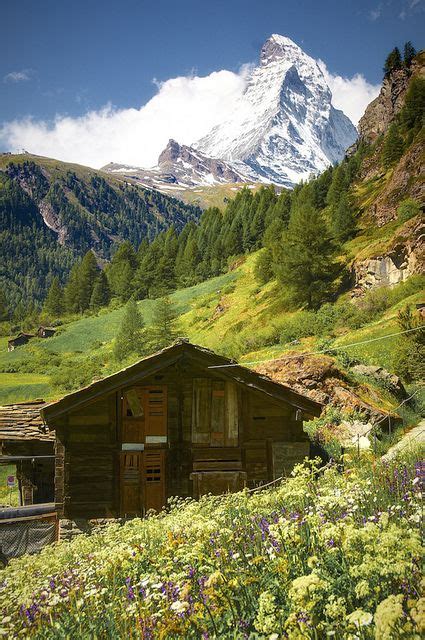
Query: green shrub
{"points": [[407, 209], [301, 325]]}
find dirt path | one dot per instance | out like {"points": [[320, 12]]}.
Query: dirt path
{"points": [[414, 436]]}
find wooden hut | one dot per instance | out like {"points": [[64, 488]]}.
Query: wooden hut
{"points": [[29, 446], [45, 332], [17, 341], [182, 422]]}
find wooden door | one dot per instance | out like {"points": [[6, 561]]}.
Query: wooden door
{"points": [[154, 479], [131, 482]]}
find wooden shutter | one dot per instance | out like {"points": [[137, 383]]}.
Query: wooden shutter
{"points": [[131, 482], [201, 411], [154, 479], [217, 413], [232, 415], [155, 400]]}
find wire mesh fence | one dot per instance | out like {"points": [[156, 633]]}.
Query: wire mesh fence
{"points": [[27, 534]]}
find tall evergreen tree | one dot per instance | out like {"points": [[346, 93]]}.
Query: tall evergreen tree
{"points": [[305, 263], [163, 330], [101, 294], [392, 149], [54, 303], [131, 337], [4, 311], [121, 270], [393, 61], [409, 53], [88, 274], [72, 290], [342, 220]]}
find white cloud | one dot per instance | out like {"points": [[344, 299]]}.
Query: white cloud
{"points": [[375, 13], [351, 95], [18, 76], [185, 108]]}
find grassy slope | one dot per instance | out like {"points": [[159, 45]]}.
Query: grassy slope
{"points": [[213, 313]]}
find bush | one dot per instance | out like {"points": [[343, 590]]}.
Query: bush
{"points": [[407, 209], [301, 325]]}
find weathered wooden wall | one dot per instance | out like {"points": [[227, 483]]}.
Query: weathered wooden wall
{"points": [[215, 428]]}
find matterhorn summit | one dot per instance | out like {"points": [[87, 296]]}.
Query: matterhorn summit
{"points": [[281, 130], [284, 127]]}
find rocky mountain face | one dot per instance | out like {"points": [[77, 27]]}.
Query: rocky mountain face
{"points": [[281, 130], [403, 253], [381, 112], [180, 167]]}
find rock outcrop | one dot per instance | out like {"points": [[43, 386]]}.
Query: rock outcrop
{"points": [[319, 378], [382, 111], [404, 257]]}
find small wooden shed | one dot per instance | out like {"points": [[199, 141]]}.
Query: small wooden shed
{"points": [[182, 422], [17, 341], [27, 444], [45, 332]]}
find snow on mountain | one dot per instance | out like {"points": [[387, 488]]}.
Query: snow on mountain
{"points": [[180, 166], [284, 126]]}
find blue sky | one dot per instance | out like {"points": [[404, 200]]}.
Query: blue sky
{"points": [[68, 58]]}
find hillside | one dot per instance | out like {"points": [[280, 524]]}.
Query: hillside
{"points": [[307, 558], [62, 210]]}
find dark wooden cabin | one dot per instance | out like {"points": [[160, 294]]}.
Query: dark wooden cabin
{"points": [[17, 341], [45, 332], [26, 444], [177, 423]]}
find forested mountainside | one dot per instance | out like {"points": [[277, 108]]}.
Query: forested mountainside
{"points": [[52, 213]]}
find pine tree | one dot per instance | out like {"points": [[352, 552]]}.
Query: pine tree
{"points": [[71, 291], [88, 274], [121, 270], [101, 294], [413, 112], [342, 221], [337, 187], [306, 262], [163, 331], [409, 53], [392, 149], [131, 337], [393, 61], [54, 304]]}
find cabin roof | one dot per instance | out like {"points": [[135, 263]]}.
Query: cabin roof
{"points": [[168, 356], [21, 334], [23, 421]]}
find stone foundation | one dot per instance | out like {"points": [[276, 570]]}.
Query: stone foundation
{"points": [[69, 529]]}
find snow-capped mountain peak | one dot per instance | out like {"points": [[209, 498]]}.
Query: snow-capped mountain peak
{"points": [[284, 127]]}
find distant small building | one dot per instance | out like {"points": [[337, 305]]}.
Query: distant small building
{"points": [[45, 332], [20, 339]]}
